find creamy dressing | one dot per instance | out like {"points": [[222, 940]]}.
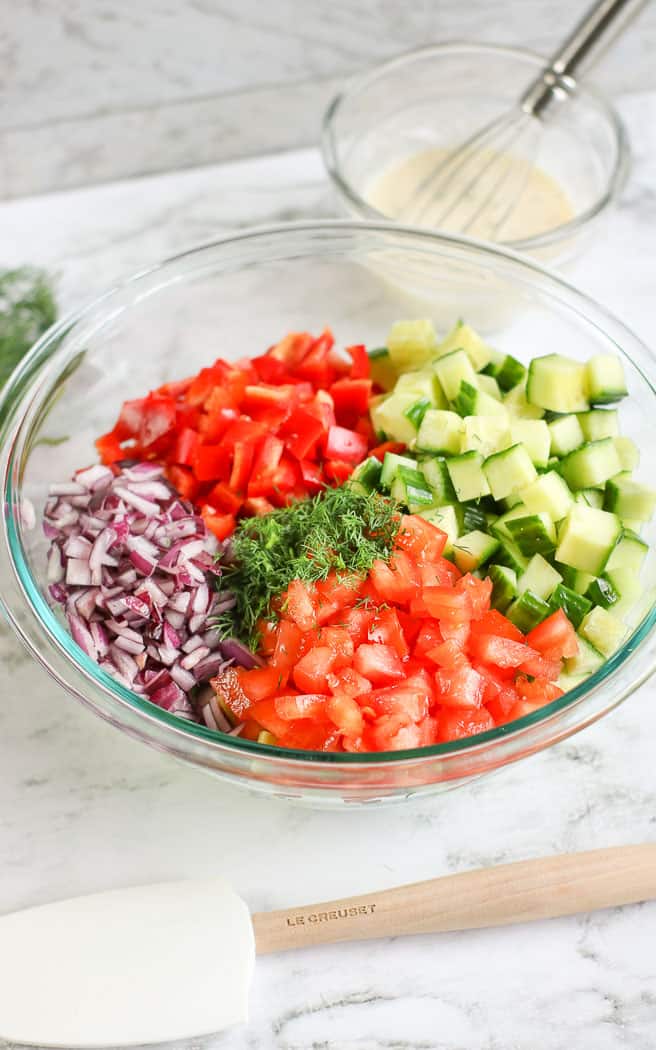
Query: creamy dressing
{"points": [[497, 196]]}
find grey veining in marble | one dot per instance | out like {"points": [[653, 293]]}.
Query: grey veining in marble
{"points": [[83, 808], [95, 91]]}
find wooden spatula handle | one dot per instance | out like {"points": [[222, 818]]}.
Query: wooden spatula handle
{"points": [[509, 893]]}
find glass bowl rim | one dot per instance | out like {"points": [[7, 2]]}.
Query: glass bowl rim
{"points": [[361, 81], [117, 693]]}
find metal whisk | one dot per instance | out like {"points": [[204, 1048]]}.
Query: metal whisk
{"points": [[480, 182]]}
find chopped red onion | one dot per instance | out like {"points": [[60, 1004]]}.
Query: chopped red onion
{"points": [[235, 650]]}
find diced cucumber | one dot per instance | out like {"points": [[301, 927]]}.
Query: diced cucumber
{"points": [[511, 501], [630, 499], [517, 405], [603, 630], [574, 605], [567, 682], [566, 435], [507, 371], [599, 423], [452, 370], [527, 611], [439, 480], [535, 436], [510, 555], [367, 475], [472, 517], [605, 380], [499, 528], [425, 384], [388, 416], [533, 534], [485, 434], [548, 494], [446, 519], [410, 488], [473, 550], [382, 370], [591, 464], [629, 553], [628, 453], [504, 586], [471, 401], [411, 343], [590, 497], [587, 660], [540, 577], [463, 337], [509, 471], [417, 411], [489, 385], [587, 538], [557, 383], [466, 472], [627, 587], [440, 431], [602, 592], [391, 464]]}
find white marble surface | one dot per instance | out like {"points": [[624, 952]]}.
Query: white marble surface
{"points": [[83, 808], [94, 91]]}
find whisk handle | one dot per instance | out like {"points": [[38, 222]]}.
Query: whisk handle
{"points": [[600, 25]]}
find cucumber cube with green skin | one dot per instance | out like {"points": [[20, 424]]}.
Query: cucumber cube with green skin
{"points": [[574, 605], [468, 479], [424, 384], [510, 555], [602, 592], [527, 611], [391, 464], [517, 405], [485, 434], [417, 411], [533, 534], [489, 385], [557, 383], [509, 373], [629, 553], [439, 480], [446, 519], [603, 630], [587, 660], [463, 337], [473, 550], [540, 578], [592, 464], [567, 682], [587, 538], [590, 497], [605, 380], [509, 471], [630, 499], [440, 431], [599, 423], [628, 588], [471, 401], [367, 474], [628, 453], [504, 586], [381, 369], [409, 488], [535, 436], [472, 517], [411, 343], [452, 370], [548, 494], [499, 528], [566, 435], [388, 416]]}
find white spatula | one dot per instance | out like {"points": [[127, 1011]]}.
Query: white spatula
{"points": [[174, 960]]}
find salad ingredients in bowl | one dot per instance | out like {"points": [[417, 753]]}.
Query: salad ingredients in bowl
{"points": [[360, 551]]}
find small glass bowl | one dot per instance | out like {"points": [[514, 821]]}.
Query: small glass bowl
{"points": [[438, 96], [235, 298]]}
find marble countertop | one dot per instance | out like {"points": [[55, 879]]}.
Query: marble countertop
{"points": [[84, 808]]}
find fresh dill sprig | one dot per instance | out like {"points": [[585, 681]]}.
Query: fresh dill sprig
{"points": [[341, 530], [27, 308]]}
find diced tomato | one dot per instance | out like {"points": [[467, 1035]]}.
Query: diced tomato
{"points": [[299, 605], [323, 407], [346, 713], [429, 636], [311, 672], [419, 538], [457, 723], [521, 709], [305, 735], [380, 451], [345, 445], [555, 636], [222, 497], [541, 667], [302, 432], [291, 350], [184, 482], [260, 683], [494, 622], [348, 682], [242, 463], [257, 507], [385, 628], [447, 654], [351, 399], [539, 691], [130, 417], [157, 420], [337, 470], [287, 647], [186, 443], [379, 663], [445, 603], [398, 581], [340, 642], [361, 367], [479, 592], [212, 462], [221, 525], [356, 621], [460, 686], [212, 426], [407, 701], [500, 652], [109, 448], [311, 476], [300, 705], [264, 712]]}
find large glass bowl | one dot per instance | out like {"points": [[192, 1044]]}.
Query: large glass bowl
{"points": [[234, 298], [440, 95]]}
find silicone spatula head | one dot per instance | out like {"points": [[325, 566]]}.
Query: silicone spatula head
{"points": [[142, 965]]}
